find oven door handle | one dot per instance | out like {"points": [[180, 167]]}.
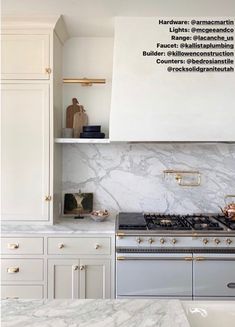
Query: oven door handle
{"points": [[155, 258]]}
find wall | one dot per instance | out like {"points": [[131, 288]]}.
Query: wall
{"points": [[91, 58], [129, 177]]}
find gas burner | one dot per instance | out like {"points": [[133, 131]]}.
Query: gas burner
{"points": [[203, 223], [165, 222], [227, 222]]}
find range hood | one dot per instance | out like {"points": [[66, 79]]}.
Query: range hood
{"points": [[151, 104]]}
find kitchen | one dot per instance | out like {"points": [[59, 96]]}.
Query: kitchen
{"points": [[167, 151]]}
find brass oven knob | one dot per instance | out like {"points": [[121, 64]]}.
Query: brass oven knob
{"points": [[173, 241], [150, 241], [138, 240], [228, 241], [217, 241], [60, 245], [205, 241], [162, 241]]}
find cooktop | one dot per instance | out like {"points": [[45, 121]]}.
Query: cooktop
{"points": [[157, 221]]}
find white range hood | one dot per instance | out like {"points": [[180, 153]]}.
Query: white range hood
{"points": [[151, 104]]}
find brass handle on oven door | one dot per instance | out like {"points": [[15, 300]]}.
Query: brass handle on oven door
{"points": [[13, 270]]}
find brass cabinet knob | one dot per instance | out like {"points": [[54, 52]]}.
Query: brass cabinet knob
{"points": [[82, 267], [97, 246], [47, 198], [150, 241], [13, 246], [13, 270], [228, 241], [48, 70], [75, 267], [162, 241], [60, 245], [173, 241], [205, 241], [217, 241], [138, 240]]}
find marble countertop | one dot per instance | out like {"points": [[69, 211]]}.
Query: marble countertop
{"points": [[93, 313], [63, 226]]}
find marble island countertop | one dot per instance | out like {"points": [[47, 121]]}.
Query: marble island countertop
{"points": [[93, 313], [63, 226]]}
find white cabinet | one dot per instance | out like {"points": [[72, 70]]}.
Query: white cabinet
{"points": [[25, 56], [63, 275], [31, 103], [79, 278], [25, 151], [94, 279]]}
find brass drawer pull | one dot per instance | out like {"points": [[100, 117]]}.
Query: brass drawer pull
{"points": [[188, 259], [200, 258], [13, 246], [97, 246], [13, 270], [60, 245]]}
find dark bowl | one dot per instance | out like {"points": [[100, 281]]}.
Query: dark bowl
{"points": [[92, 128]]}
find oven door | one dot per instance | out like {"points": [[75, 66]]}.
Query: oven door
{"points": [[213, 275], [155, 274]]}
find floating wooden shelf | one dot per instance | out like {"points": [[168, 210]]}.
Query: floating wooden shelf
{"points": [[84, 141], [85, 81]]}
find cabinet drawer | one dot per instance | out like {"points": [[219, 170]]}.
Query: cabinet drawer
{"points": [[22, 291], [22, 270], [80, 245], [18, 245]]}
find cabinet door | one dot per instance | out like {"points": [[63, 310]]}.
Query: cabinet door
{"points": [[63, 278], [214, 275], [25, 56], [25, 152], [94, 279]]}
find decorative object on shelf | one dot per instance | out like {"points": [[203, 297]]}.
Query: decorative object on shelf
{"points": [[85, 81], [181, 177], [78, 204], [229, 209], [99, 215], [80, 119], [92, 132], [71, 110], [67, 133]]}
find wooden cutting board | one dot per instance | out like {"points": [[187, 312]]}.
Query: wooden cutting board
{"points": [[80, 119], [71, 110]]}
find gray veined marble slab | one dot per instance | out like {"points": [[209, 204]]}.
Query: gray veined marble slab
{"points": [[64, 226], [93, 313], [129, 177]]}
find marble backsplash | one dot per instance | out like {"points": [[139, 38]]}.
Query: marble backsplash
{"points": [[129, 177]]}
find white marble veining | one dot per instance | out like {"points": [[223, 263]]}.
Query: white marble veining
{"points": [[64, 226], [93, 313], [129, 177]]}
